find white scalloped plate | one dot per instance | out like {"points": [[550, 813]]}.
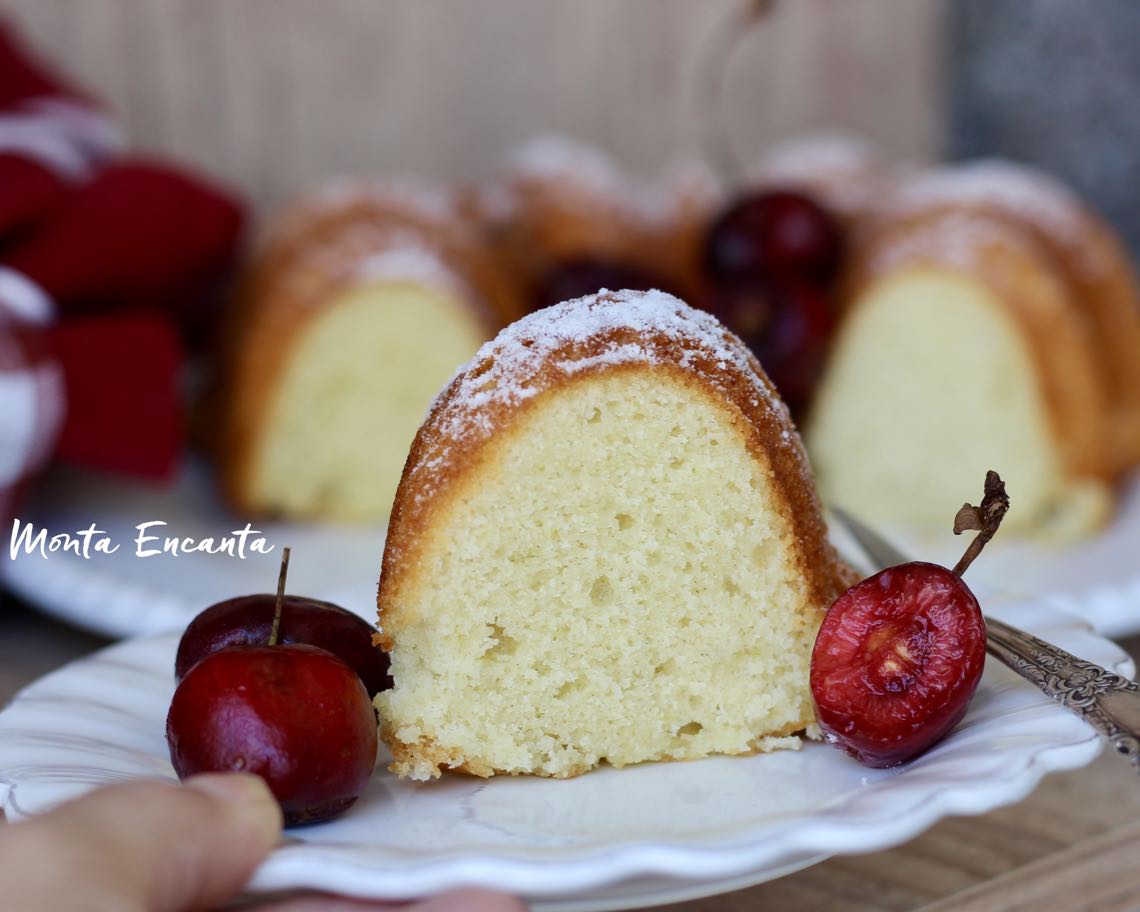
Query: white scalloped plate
{"points": [[610, 839], [120, 595]]}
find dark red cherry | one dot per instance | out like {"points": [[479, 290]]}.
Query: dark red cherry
{"points": [[776, 232], [584, 276], [247, 620], [896, 662], [297, 716], [788, 325], [899, 656]]}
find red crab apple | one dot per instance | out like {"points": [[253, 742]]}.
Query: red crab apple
{"points": [[296, 715], [900, 654]]}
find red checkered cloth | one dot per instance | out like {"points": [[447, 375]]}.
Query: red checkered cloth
{"points": [[103, 261]]}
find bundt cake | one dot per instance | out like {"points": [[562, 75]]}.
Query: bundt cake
{"points": [[988, 319], [606, 546], [355, 312]]}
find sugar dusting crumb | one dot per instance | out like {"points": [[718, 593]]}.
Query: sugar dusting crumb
{"points": [[552, 156], [353, 205], [843, 171], [811, 156]]}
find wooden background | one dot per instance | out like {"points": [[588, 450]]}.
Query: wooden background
{"points": [[275, 94]]}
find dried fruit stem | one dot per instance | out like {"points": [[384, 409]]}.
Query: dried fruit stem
{"points": [[986, 517], [275, 629]]}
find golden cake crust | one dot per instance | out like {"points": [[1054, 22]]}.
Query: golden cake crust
{"points": [[542, 354]]}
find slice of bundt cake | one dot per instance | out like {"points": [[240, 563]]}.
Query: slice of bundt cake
{"points": [[961, 348], [1092, 261], [357, 309], [606, 546]]}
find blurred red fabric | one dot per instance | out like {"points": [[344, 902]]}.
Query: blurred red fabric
{"points": [[121, 376], [31, 192], [135, 237], [103, 263]]}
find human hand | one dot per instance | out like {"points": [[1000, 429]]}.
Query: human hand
{"points": [[160, 847]]}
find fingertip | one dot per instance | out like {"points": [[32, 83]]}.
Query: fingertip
{"points": [[237, 787], [246, 796], [161, 846]]}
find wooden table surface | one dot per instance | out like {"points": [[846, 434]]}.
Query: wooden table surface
{"points": [[1073, 844]]}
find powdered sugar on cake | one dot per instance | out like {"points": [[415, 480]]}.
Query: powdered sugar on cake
{"points": [[843, 171], [519, 352], [609, 329], [812, 157], [555, 159], [354, 207], [432, 200], [1003, 186], [407, 261], [959, 239]]}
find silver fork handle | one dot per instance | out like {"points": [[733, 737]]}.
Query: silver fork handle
{"points": [[1107, 701]]}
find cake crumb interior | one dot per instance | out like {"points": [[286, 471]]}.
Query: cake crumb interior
{"points": [[614, 581], [352, 395], [931, 384]]}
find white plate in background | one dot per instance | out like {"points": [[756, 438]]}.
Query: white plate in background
{"points": [[611, 839]]}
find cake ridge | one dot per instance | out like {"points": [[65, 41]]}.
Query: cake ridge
{"points": [[411, 260], [958, 237]]}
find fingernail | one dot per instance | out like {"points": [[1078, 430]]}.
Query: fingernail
{"points": [[245, 794]]}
